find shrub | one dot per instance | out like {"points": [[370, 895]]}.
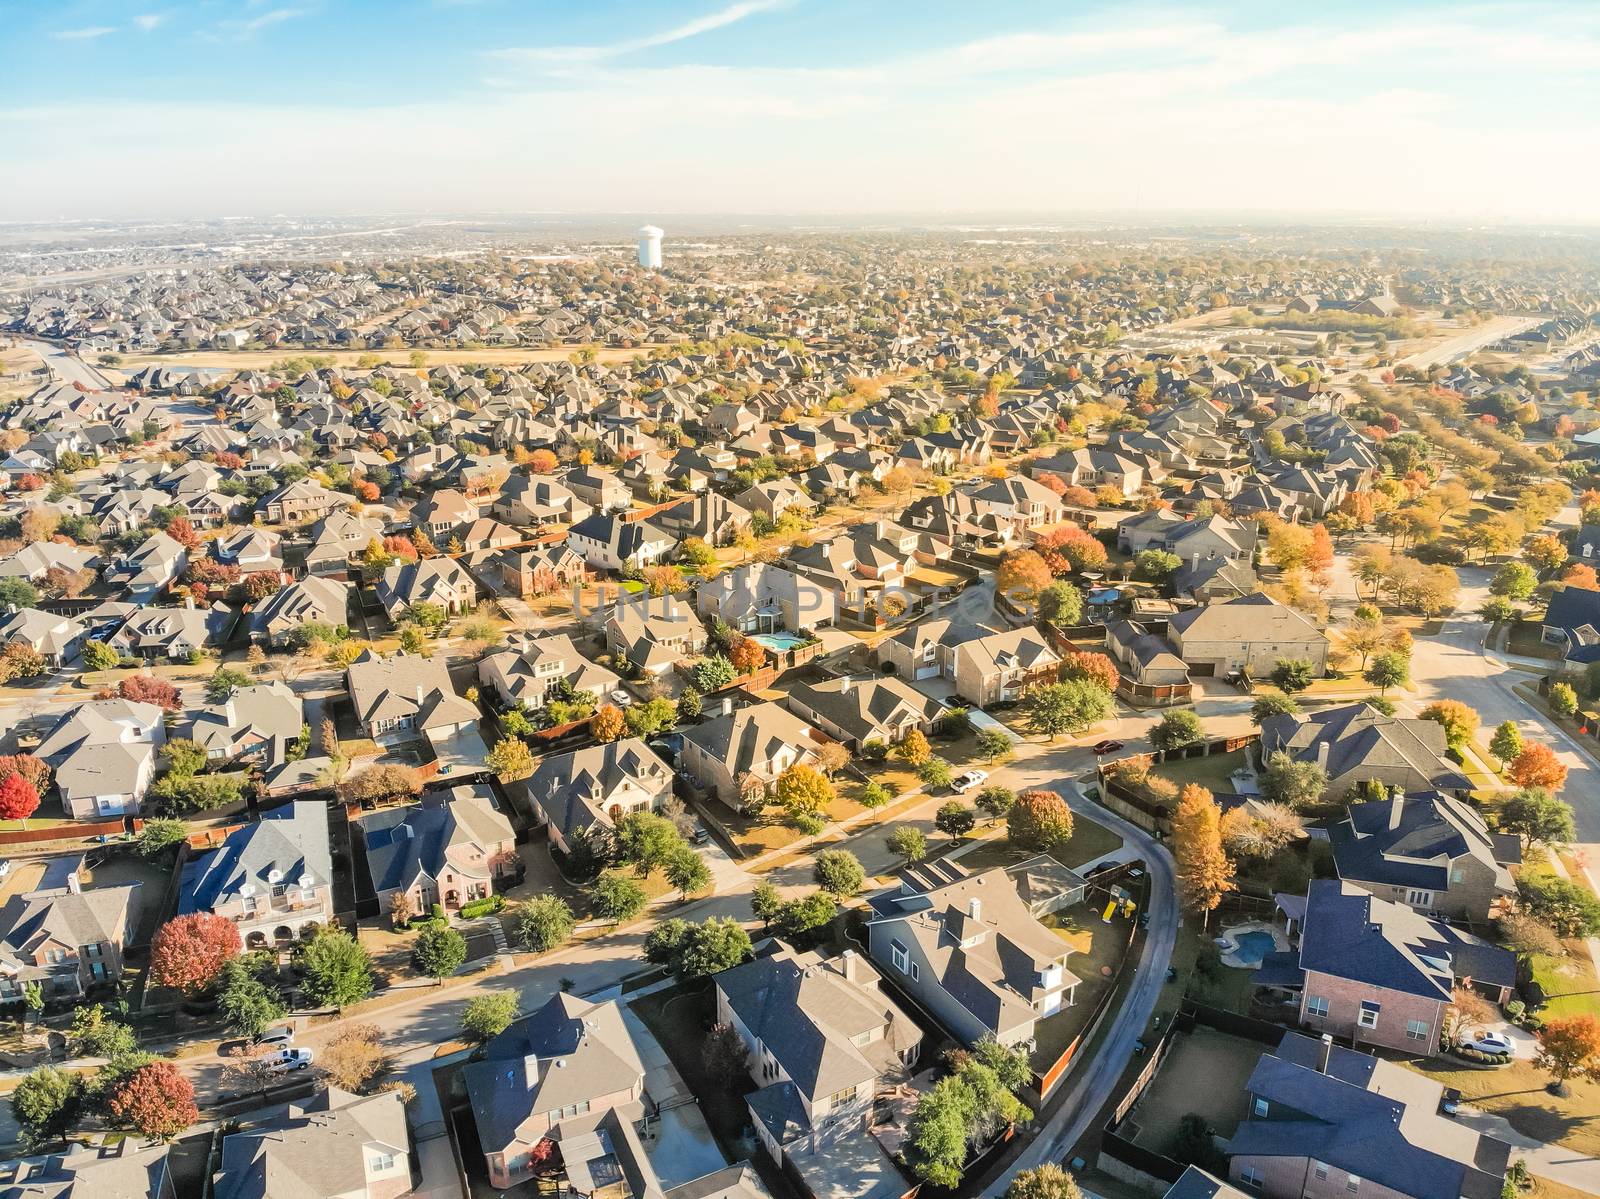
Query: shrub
{"points": [[487, 906]]}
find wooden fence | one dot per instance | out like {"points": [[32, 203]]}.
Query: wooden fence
{"points": [[63, 832]]}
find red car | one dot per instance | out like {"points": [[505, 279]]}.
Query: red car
{"points": [[1106, 747]]}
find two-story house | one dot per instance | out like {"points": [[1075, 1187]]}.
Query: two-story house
{"points": [[608, 542], [855, 711], [824, 1040], [970, 950], [1430, 851], [125, 1168], [335, 1145], [103, 754], [311, 600], [753, 745], [447, 849], [273, 879], [1357, 744], [653, 632], [594, 787], [440, 581], [256, 724], [1251, 633], [762, 597], [404, 696], [68, 940], [525, 673]]}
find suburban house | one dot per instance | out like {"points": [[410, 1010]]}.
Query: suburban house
{"points": [[1375, 972], [274, 878], [441, 513], [145, 572], [57, 639], [124, 1169], [601, 490], [338, 540], [774, 498], [570, 1061], [256, 724], [446, 850], [1356, 743], [526, 672], [653, 632], [1143, 658], [311, 600], [608, 542], [1430, 851], [403, 697], [440, 581], [300, 502], [855, 711], [1019, 501], [756, 743], [62, 937], [763, 597], [824, 1042], [176, 634], [1194, 539], [1326, 1122], [1572, 621], [594, 787], [1002, 666], [252, 550], [926, 649], [1250, 634], [532, 500], [336, 1145], [970, 950], [538, 570], [103, 753]]}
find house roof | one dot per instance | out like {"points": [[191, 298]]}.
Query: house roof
{"points": [[120, 1170], [866, 708], [1359, 737], [1255, 617], [460, 831], [1412, 841], [315, 1149], [576, 789], [288, 843], [749, 738]]}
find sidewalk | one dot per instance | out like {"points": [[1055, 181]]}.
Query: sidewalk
{"points": [[1555, 1162]]}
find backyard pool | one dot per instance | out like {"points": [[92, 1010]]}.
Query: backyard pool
{"points": [[1246, 945], [778, 643]]}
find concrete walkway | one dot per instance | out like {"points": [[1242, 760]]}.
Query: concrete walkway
{"points": [[1555, 1162]]}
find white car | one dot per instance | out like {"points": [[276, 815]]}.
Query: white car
{"points": [[5, 867], [621, 698], [279, 1034], [1489, 1042], [286, 1060], [963, 783]]}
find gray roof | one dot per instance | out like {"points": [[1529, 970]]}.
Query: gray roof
{"points": [[271, 712], [749, 738], [315, 1149], [122, 1170], [419, 838], [866, 708], [290, 841], [1358, 736], [1411, 842], [575, 789]]}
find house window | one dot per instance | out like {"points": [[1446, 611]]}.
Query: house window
{"points": [[382, 1161], [1417, 1030], [1261, 1107], [898, 956], [916, 973], [1251, 1177], [1420, 899], [249, 904], [1369, 1014], [1317, 1005], [1352, 1184], [844, 1096], [1320, 1169], [1456, 874]]}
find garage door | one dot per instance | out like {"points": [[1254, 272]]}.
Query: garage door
{"points": [[1203, 670], [927, 672]]}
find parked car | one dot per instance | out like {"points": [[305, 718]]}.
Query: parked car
{"points": [[279, 1034], [1450, 1102], [1489, 1042], [1101, 748], [287, 1060], [621, 698], [5, 867], [963, 783], [700, 835]]}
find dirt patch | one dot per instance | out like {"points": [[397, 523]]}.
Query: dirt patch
{"points": [[1204, 1073]]}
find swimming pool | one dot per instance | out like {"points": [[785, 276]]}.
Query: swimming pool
{"points": [[1251, 947], [778, 643]]}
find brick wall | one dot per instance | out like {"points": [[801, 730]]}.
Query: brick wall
{"points": [[1344, 1006]]}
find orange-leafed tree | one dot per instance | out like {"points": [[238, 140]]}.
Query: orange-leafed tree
{"points": [[155, 1100], [190, 952], [1205, 874], [1569, 1047], [1538, 766]]}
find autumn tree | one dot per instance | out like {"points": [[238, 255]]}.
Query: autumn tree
{"points": [[914, 749], [1204, 872], [1460, 722], [607, 724], [1538, 766], [156, 1100], [19, 799], [147, 689], [1569, 1047], [1506, 743], [1039, 821], [803, 788], [190, 952], [355, 1058], [1022, 574], [1048, 1181], [746, 654], [510, 759]]}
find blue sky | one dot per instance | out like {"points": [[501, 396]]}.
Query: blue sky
{"points": [[239, 107]]}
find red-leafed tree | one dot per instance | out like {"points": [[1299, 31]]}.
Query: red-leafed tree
{"points": [[1096, 667], [155, 1100], [1538, 766], [30, 483], [1080, 497], [401, 547], [190, 952], [1581, 576], [147, 689], [367, 491], [1053, 482], [228, 460], [19, 798], [181, 530], [746, 655]]}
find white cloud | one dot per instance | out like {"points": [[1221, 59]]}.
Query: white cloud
{"points": [[83, 35], [709, 23], [145, 22]]}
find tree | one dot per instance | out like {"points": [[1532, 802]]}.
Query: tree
{"points": [[908, 843], [646, 840], [45, 1104], [838, 872], [616, 897], [1039, 821], [1544, 551], [542, 923], [97, 655], [94, 1034], [935, 773], [1048, 1181], [439, 952], [914, 749], [1569, 1047], [1514, 580], [651, 717], [223, 682], [1069, 706], [19, 799], [726, 1059], [995, 801], [746, 655], [147, 689], [1292, 675], [686, 871], [607, 723], [664, 942], [1389, 669], [935, 1147], [160, 834], [1536, 815], [1156, 566], [1460, 722], [354, 1059], [1563, 699], [1096, 668], [718, 943], [380, 782], [1061, 603], [1269, 705], [1204, 872], [954, 819], [1176, 729], [712, 673], [1506, 743], [1022, 574], [489, 1014], [1291, 783], [155, 1100], [510, 759], [1569, 908], [765, 903], [1527, 937], [1538, 766], [190, 952], [803, 788], [337, 971], [803, 919], [184, 757]]}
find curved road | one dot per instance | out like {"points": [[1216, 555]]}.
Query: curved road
{"points": [[66, 366]]}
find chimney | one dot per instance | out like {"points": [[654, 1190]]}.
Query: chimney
{"points": [[1322, 754], [530, 1071], [844, 685], [847, 965], [1194, 560], [727, 705], [1397, 807], [188, 602], [1327, 1052], [975, 907]]}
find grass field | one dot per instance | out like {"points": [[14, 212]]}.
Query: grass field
{"points": [[1210, 772], [1524, 641], [1204, 1073], [1518, 1093], [1090, 840]]}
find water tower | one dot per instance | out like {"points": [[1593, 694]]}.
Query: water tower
{"points": [[650, 248]]}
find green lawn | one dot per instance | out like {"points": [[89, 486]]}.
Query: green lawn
{"points": [[1210, 772], [1090, 840], [1570, 985], [1524, 641]]}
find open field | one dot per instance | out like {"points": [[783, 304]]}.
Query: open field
{"points": [[1089, 841], [1210, 772]]}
